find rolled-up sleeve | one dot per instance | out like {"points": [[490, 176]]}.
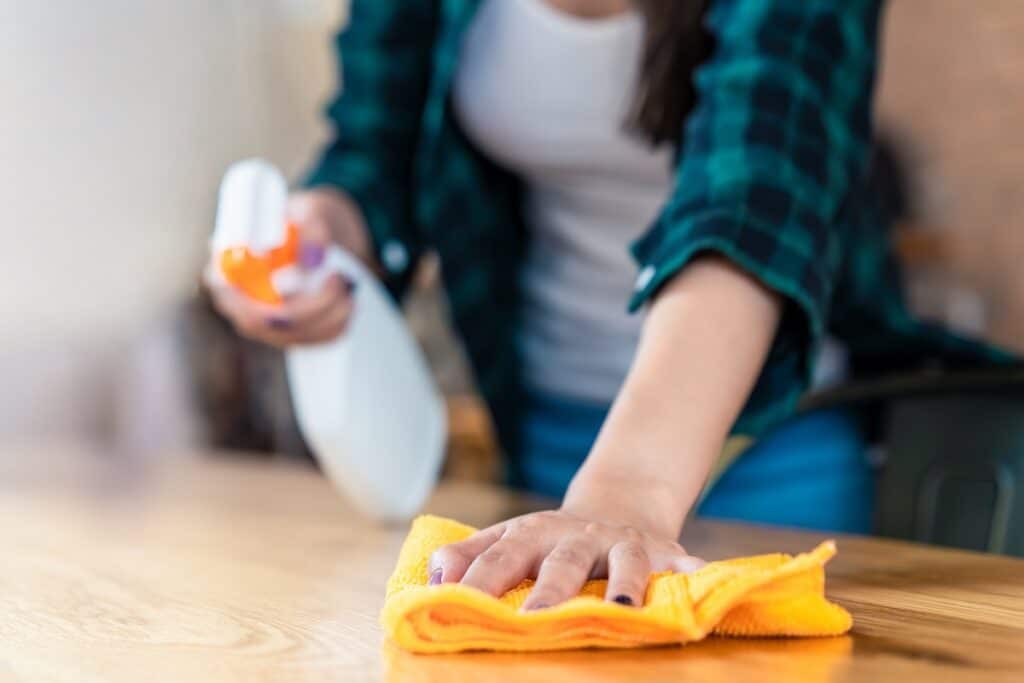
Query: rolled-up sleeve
{"points": [[385, 59], [776, 145]]}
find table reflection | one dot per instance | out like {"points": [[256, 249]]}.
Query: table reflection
{"points": [[810, 660]]}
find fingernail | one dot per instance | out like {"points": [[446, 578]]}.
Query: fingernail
{"points": [[435, 578], [280, 323], [541, 605], [312, 255], [623, 600]]}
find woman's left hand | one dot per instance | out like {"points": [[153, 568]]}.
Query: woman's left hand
{"points": [[562, 550]]}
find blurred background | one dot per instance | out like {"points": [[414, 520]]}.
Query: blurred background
{"points": [[119, 117]]}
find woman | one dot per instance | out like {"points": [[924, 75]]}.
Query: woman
{"points": [[530, 142]]}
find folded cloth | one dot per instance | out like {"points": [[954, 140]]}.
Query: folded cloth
{"points": [[766, 595]]}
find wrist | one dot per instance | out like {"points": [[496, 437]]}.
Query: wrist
{"points": [[650, 504]]}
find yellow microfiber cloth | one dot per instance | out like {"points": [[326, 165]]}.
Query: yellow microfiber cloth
{"points": [[766, 595]]}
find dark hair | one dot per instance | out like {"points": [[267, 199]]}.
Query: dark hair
{"points": [[676, 44]]}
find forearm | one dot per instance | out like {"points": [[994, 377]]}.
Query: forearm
{"points": [[704, 343]]}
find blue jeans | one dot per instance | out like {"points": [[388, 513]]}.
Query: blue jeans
{"points": [[810, 472]]}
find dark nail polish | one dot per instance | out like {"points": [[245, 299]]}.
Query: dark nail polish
{"points": [[312, 255], [280, 323], [435, 578], [623, 600]]}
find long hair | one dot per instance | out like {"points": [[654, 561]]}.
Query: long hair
{"points": [[675, 45]]}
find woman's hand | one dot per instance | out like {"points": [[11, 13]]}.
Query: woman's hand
{"points": [[704, 343], [562, 550], [323, 216]]}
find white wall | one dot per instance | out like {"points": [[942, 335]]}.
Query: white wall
{"points": [[117, 118]]}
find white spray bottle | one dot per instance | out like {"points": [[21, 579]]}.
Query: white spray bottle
{"points": [[366, 402]]}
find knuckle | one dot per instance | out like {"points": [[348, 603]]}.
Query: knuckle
{"points": [[632, 533], [632, 552], [593, 529], [527, 524], [493, 557], [569, 556]]}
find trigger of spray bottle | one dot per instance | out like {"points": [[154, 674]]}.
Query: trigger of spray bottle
{"points": [[253, 273], [254, 248]]}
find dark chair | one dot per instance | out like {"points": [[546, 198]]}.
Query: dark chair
{"points": [[952, 447]]}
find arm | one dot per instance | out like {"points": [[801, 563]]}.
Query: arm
{"points": [[359, 195], [775, 152], [738, 273], [704, 343]]}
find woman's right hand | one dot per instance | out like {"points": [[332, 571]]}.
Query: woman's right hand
{"points": [[324, 216]]}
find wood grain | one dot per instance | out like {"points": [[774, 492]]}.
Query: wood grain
{"points": [[229, 569]]}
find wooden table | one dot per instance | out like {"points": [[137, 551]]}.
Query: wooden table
{"points": [[221, 569]]}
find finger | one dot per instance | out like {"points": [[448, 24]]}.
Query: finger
{"points": [[250, 318], [502, 566], [253, 319], [233, 304], [271, 326], [629, 568], [563, 572], [277, 325], [449, 563], [303, 310], [305, 212], [330, 326]]}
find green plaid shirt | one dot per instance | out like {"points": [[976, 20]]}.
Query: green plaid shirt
{"points": [[773, 174]]}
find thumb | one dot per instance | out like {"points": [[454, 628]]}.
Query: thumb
{"points": [[314, 235]]}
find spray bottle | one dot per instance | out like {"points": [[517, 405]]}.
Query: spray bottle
{"points": [[365, 402]]}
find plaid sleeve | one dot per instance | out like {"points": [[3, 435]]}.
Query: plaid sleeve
{"points": [[776, 144], [385, 71]]}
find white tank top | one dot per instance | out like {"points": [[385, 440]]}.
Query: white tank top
{"points": [[546, 95]]}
